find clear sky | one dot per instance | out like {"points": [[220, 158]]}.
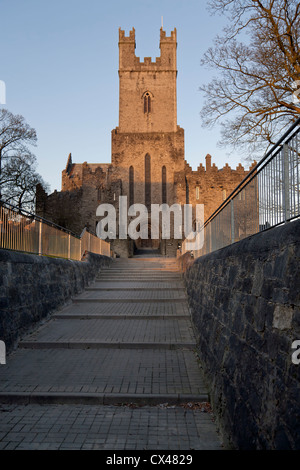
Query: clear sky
{"points": [[59, 61]]}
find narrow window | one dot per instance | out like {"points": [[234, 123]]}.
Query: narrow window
{"points": [[164, 184], [224, 194], [187, 192], [147, 103], [131, 186], [148, 181], [197, 192]]}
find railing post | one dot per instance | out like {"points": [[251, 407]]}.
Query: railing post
{"points": [[40, 238], [286, 183], [232, 220]]}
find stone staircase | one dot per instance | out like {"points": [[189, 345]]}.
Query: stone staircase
{"points": [[126, 340]]}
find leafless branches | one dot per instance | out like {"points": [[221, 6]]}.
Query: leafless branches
{"points": [[252, 97], [18, 176]]}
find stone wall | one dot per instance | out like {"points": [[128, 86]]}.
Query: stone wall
{"points": [[31, 287], [245, 303]]}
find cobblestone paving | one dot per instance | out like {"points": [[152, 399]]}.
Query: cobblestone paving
{"points": [[167, 331], [127, 341], [83, 427], [128, 310]]}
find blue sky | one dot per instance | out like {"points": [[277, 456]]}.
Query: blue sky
{"points": [[59, 61]]}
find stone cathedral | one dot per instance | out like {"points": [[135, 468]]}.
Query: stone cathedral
{"points": [[147, 155]]}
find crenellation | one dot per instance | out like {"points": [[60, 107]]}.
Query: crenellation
{"points": [[124, 38], [226, 167], [240, 167], [128, 61], [165, 38]]}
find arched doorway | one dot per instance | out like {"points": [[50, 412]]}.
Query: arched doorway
{"points": [[148, 243]]}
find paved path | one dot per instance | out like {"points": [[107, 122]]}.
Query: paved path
{"points": [[115, 369]]}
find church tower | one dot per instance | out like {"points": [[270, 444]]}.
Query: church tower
{"points": [[148, 145], [147, 100]]}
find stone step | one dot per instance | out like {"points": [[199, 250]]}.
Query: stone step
{"points": [[138, 277], [130, 300], [85, 398], [138, 283], [145, 332], [68, 375], [139, 268], [141, 277], [112, 316], [104, 344], [129, 310], [135, 289], [153, 272], [128, 295]]}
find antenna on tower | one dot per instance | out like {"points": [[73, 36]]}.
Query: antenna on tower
{"points": [[162, 22]]}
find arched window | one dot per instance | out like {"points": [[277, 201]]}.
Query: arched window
{"points": [[148, 181], [131, 186], [164, 184], [147, 103]]}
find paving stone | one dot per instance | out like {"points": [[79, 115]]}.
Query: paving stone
{"points": [[99, 374], [125, 428]]}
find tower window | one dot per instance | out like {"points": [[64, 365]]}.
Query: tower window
{"points": [[197, 192], [164, 185], [148, 181], [131, 186], [147, 103]]}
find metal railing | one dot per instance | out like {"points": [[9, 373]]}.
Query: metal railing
{"points": [[268, 196], [23, 231]]}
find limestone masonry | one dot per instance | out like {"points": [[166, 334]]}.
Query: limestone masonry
{"points": [[147, 155]]}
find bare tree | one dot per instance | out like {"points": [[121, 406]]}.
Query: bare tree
{"points": [[19, 180], [258, 60], [18, 175], [15, 135]]}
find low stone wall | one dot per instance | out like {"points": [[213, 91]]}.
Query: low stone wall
{"points": [[245, 303], [31, 287]]}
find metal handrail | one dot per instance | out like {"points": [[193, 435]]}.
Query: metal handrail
{"points": [[255, 169], [268, 196], [43, 237], [39, 218]]}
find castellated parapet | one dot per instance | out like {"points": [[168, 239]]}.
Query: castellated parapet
{"points": [[130, 62]]}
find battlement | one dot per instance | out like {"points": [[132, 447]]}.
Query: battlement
{"points": [[212, 167], [164, 38], [127, 39], [129, 61]]}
